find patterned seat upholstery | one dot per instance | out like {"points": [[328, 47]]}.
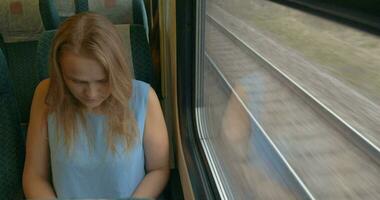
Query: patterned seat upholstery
{"points": [[66, 8], [20, 27], [135, 43], [11, 143]]}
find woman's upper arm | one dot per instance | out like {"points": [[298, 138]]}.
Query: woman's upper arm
{"points": [[37, 149], [156, 142]]}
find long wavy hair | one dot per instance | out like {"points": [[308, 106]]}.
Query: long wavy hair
{"points": [[93, 36]]}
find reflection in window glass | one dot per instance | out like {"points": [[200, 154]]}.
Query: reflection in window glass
{"points": [[264, 137]]}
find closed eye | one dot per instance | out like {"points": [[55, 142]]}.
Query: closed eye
{"points": [[79, 82], [102, 81]]}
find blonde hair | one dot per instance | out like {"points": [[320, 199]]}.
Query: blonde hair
{"points": [[93, 36]]}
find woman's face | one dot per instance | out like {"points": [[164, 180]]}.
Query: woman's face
{"points": [[86, 79]]}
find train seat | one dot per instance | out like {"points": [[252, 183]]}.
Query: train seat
{"points": [[118, 11], [135, 43], [55, 11], [11, 142], [66, 8], [20, 27]]}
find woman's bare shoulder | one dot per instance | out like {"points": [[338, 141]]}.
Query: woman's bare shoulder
{"points": [[41, 91], [42, 88]]}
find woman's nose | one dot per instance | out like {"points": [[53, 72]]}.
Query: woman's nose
{"points": [[91, 91]]}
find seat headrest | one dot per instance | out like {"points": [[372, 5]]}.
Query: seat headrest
{"points": [[66, 8], [20, 20], [117, 11]]}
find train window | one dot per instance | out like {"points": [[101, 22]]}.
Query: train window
{"points": [[287, 100]]}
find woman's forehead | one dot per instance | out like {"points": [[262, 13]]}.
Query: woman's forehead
{"points": [[81, 67]]}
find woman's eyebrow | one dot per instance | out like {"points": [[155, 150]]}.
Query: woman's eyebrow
{"points": [[77, 79]]}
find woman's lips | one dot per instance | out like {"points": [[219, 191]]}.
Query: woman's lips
{"points": [[90, 100]]}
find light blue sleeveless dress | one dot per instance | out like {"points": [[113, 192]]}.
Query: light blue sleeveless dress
{"points": [[97, 172]]}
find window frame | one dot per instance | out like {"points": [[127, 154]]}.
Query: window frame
{"points": [[188, 40]]}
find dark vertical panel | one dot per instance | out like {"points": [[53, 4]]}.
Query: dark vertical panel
{"points": [[202, 184]]}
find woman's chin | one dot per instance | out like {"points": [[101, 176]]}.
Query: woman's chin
{"points": [[91, 105]]}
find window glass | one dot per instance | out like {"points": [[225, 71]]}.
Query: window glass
{"points": [[288, 102]]}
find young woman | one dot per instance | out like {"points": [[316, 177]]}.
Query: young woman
{"points": [[94, 131]]}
